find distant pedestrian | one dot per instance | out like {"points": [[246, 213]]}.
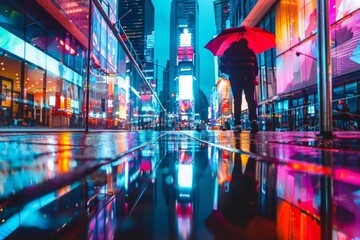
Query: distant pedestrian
{"points": [[344, 113], [242, 67]]}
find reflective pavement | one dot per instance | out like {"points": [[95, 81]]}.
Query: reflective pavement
{"points": [[179, 185]]}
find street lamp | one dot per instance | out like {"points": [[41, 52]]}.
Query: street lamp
{"points": [[300, 53], [118, 21]]}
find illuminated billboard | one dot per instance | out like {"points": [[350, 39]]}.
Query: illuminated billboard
{"points": [[297, 35], [147, 107], [186, 68], [185, 54], [185, 106], [186, 87], [122, 103], [185, 38]]}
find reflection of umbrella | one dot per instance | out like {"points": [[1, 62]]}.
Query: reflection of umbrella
{"points": [[258, 38], [221, 228]]}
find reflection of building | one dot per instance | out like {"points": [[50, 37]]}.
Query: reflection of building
{"points": [[287, 93]]}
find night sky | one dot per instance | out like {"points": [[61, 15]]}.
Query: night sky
{"points": [[206, 33]]}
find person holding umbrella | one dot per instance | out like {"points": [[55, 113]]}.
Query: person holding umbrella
{"points": [[238, 47], [242, 67]]}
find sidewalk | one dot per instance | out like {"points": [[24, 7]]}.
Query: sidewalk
{"points": [[55, 169]]}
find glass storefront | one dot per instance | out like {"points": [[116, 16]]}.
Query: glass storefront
{"points": [[30, 87], [43, 70], [288, 78]]}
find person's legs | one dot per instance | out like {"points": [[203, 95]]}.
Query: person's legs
{"points": [[250, 97], [236, 89], [249, 90], [237, 110]]}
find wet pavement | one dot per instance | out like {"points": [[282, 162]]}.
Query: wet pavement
{"points": [[179, 185]]}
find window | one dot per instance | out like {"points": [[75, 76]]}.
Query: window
{"points": [[338, 92], [351, 88]]}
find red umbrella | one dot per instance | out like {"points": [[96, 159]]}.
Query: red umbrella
{"points": [[258, 38]]}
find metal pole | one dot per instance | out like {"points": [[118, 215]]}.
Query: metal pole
{"points": [[324, 69], [156, 89], [88, 67], [326, 199], [157, 73], [325, 123]]}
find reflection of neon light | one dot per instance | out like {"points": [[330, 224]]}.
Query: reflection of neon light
{"points": [[184, 219], [348, 176], [216, 193], [126, 176], [309, 167], [185, 176], [30, 210], [184, 209]]}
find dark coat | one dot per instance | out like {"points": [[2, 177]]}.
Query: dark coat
{"points": [[239, 56]]}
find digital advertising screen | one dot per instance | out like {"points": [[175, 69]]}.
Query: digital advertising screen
{"points": [[186, 87], [345, 46], [186, 106], [122, 103], [296, 29]]}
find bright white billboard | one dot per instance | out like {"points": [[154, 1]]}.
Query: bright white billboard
{"points": [[185, 39], [186, 87]]}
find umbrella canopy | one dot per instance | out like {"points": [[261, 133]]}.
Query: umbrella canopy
{"points": [[258, 38]]}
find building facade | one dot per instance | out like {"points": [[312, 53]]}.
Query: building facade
{"points": [[287, 93], [222, 11], [221, 107], [47, 63], [136, 19]]}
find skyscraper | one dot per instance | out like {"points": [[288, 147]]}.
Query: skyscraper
{"points": [[221, 9], [184, 62], [137, 21]]}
